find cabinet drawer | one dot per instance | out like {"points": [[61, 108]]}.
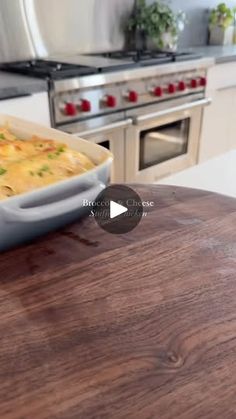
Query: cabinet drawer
{"points": [[222, 76]]}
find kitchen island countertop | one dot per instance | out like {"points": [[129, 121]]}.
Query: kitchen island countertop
{"points": [[132, 326], [14, 85]]}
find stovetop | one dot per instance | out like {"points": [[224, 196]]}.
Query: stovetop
{"points": [[149, 57], [101, 62], [61, 67], [49, 69]]}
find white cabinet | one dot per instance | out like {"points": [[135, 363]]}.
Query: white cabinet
{"points": [[34, 108], [233, 119], [219, 120]]}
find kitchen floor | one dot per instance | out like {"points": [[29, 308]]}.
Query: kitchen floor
{"points": [[216, 175]]}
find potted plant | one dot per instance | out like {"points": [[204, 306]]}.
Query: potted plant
{"points": [[157, 22], [163, 25], [234, 35], [221, 25]]}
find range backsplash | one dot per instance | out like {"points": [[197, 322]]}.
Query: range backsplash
{"points": [[39, 28]]}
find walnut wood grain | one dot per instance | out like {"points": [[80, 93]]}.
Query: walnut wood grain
{"points": [[137, 326]]}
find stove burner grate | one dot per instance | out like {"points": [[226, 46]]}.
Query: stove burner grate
{"points": [[51, 70]]}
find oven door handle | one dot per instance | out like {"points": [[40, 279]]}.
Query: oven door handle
{"points": [[115, 125], [175, 109]]}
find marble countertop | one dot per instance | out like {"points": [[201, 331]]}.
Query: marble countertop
{"points": [[13, 85], [216, 175], [221, 54]]}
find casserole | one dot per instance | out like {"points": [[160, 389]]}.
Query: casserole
{"points": [[32, 214]]}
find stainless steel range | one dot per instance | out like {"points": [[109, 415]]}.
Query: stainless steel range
{"points": [[146, 107]]}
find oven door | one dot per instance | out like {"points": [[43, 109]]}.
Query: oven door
{"points": [[109, 135], [162, 142]]}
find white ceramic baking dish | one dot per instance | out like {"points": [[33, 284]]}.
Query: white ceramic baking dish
{"points": [[26, 216]]}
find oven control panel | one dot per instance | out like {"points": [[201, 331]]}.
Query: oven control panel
{"points": [[79, 104]]}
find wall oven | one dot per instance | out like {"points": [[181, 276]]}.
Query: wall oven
{"points": [[163, 139]]}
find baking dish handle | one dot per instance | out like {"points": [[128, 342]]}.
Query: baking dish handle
{"points": [[16, 213]]}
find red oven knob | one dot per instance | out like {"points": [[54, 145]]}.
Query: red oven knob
{"points": [[110, 101], [171, 88], [203, 81], [133, 96], [70, 109], [85, 105], [182, 86], [193, 84], [158, 91]]}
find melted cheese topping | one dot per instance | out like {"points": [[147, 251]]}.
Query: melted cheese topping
{"points": [[29, 164]]}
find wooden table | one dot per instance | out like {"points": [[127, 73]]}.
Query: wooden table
{"points": [[138, 326]]}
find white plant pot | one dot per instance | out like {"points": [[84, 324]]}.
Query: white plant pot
{"points": [[168, 40], [221, 36]]}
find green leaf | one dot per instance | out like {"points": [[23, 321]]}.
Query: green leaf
{"points": [[61, 149], [222, 16], [2, 171], [45, 168], [52, 156], [222, 8]]}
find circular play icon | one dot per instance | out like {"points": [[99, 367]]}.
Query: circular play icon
{"points": [[118, 209]]}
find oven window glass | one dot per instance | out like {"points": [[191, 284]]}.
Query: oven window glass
{"points": [[163, 143]]}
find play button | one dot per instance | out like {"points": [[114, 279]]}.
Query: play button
{"points": [[118, 209]]}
